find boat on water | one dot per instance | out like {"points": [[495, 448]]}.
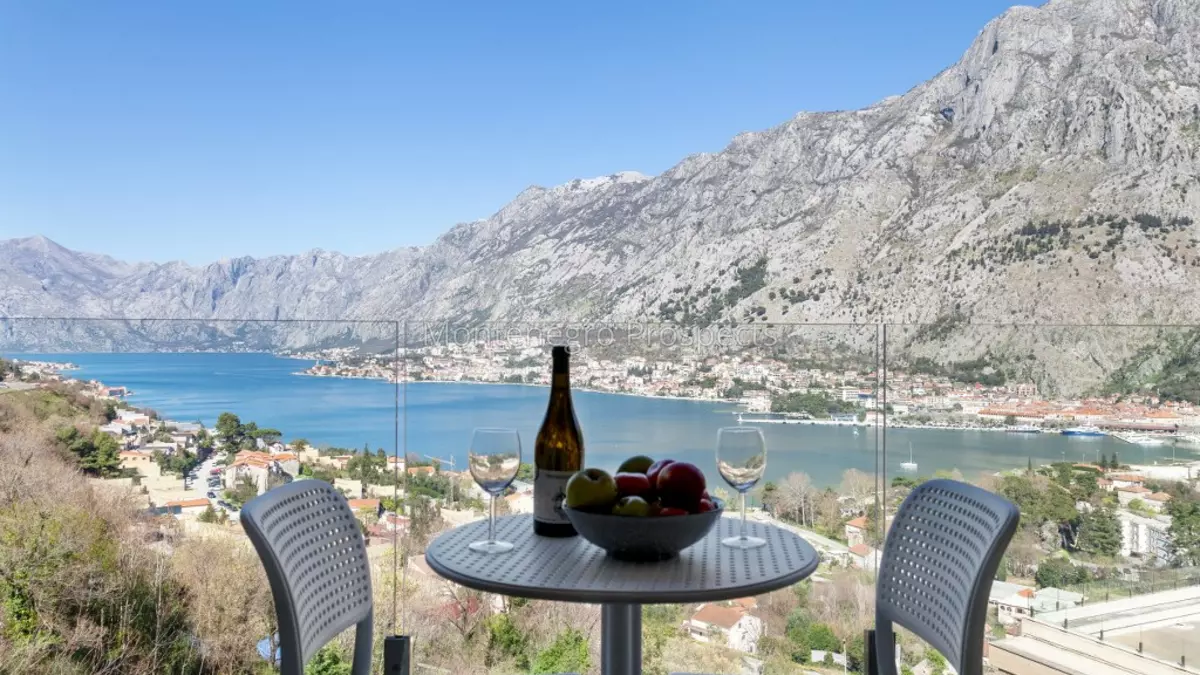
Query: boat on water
{"points": [[1086, 430], [1143, 439], [910, 465], [1024, 429]]}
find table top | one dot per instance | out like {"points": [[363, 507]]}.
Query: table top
{"points": [[571, 569]]}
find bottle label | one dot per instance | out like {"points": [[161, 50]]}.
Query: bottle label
{"points": [[548, 494]]}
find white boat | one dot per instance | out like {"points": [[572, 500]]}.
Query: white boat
{"points": [[1024, 429], [1144, 439], [1086, 430], [910, 465]]}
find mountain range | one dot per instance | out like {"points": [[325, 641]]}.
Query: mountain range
{"points": [[1050, 176]]}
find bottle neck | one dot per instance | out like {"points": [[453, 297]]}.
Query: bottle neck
{"points": [[560, 381]]}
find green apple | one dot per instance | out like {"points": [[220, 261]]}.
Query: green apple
{"points": [[631, 506], [636, 464], [591, 488]]}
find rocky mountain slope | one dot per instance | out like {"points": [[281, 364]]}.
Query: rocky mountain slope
{"points": [[1052, 175]]}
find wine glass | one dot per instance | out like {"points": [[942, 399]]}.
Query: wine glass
{"points": [[494, 458], [741, 461]]}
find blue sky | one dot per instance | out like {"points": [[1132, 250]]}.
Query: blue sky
{"points": [[201, 130]]}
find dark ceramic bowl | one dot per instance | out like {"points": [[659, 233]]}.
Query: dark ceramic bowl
{"points": [[643, 539]]}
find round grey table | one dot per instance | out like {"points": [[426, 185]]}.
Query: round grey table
{"points": [[573, 570]]}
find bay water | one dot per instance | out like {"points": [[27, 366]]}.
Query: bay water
{"points": [[435, 419]]}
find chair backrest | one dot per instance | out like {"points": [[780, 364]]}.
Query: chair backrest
{"points": [[938, 563], [310, 544]]}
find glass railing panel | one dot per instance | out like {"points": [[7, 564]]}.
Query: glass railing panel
{"points": [[1091, 431], [126, 449], [664, 390]]}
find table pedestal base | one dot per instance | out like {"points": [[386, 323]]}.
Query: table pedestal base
{"points": [[621, 639]]}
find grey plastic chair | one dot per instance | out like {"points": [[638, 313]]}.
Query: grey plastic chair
{"points": [[936, 571], [310, 544]]}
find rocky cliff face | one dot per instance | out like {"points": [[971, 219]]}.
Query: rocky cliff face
{"points": [[926, 207]]}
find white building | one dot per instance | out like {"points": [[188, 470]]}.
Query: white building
{"points": [[1145, 537], [727, 622], [1013, 601]]}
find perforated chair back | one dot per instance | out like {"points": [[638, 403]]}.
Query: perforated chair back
{"points": [[309, 542], [938, 563]]}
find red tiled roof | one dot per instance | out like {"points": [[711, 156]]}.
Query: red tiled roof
{"points": [[748, 603], [717, 615], [861, 550], [357, 504], [185, 503], [1159, 496], [1136, 489], [859, 522]]}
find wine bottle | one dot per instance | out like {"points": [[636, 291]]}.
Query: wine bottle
{"points": [[558, 452]]}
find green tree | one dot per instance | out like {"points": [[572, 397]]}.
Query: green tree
{"points": [[243, 491], [812, 403], [208, 515], [1056, 573], [268, 435], [1086, 485], [567, 654], [98, 453], [328, 661], [1185, 530], [798, 628], [1100, 532], [506, 642], [230, 431], [1010, 420], [204, 440], [821, 637]]}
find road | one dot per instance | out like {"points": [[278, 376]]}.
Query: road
{"points": [[199, 485], [820, 542]]}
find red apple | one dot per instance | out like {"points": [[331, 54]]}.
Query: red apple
{"points": [[633, 484], [672, 511], [656, 468], [705, 495], [680, 484], [707, 505]]}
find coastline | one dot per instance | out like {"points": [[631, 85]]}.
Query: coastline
{"points": [[730, 402], [535, 385], [946, 455]]}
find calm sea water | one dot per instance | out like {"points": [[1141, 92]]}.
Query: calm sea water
{"points": [[436, 419]]}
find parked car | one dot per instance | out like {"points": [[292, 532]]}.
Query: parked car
{"points": [[211, 495]]}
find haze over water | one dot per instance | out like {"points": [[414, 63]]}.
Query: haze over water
{"points": [[436, 419]]}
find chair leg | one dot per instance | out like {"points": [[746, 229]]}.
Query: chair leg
{"points": [[870, 658], [364, 637]]}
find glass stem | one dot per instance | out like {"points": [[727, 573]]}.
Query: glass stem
{"points": [[743, 515], [492, 520]]}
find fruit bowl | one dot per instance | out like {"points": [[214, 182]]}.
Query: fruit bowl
{"points": [[643, 539]]}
